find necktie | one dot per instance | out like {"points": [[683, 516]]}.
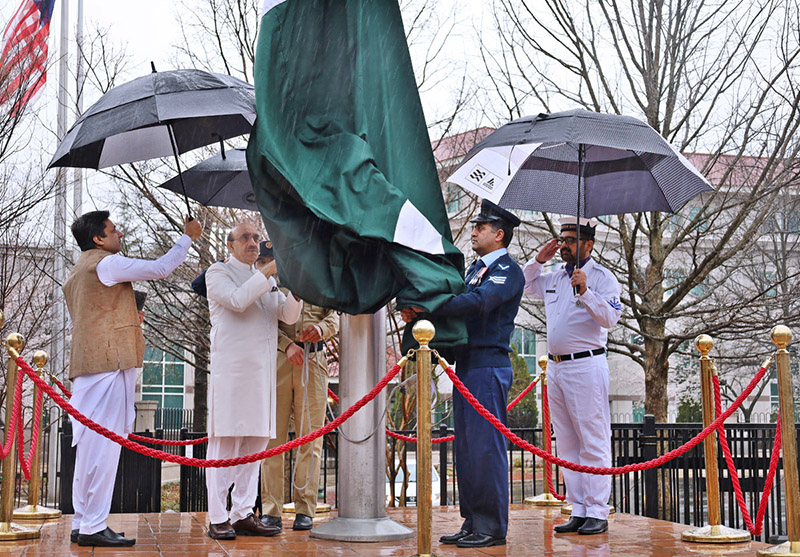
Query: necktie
{"points": [[476, 267]]}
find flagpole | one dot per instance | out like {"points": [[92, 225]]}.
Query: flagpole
{"points": [[58, 338], [77, 193]]}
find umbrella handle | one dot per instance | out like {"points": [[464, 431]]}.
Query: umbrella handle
{"points": [[180, 173]]}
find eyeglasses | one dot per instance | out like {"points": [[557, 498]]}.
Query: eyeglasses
{"points": [[569, 240], [247, 236]]}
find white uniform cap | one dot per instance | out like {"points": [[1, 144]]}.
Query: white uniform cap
{"points": [[591, 223]]}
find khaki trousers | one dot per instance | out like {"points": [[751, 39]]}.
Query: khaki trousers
{"points": [[308, 457]]}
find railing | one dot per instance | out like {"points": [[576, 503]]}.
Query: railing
{"points": [[681, 481], [171, 421]]}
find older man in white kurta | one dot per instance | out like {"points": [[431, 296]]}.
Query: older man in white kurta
{"points": [[245, 306]]}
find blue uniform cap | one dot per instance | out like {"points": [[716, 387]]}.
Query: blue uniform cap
{"points": [[494, 213], [265, 249]]}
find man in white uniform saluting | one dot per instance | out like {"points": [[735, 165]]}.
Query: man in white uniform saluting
{"points": [[106, 356], [245, 305], [577, 371]]}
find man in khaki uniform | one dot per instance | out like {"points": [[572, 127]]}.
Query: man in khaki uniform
{"points": [[302, 392]]}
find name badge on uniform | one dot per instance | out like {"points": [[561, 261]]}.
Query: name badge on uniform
{"points": [[550, 291]]}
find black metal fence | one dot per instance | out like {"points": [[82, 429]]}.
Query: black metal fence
{"points": [[137, 487]]}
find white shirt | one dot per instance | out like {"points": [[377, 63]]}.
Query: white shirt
{"points": [[575, 324], [117, 268]]}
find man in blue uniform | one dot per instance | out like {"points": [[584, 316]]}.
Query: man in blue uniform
{"points": [[577, 373], [489, 306]]}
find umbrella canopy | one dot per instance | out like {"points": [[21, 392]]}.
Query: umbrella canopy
{"points": [[580, 162], [132, 122], [219, 181]]}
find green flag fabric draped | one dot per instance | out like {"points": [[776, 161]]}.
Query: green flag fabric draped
{"points": [[341, 162]]}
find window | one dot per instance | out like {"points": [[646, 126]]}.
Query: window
{"points": [[702, 223], [162, 378], [454, 196], [672, 278], [524, 341], [767, 283]]}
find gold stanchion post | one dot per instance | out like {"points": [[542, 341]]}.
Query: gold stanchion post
{"points": [[544, 499], [782, 336], [423, 332], [14, 342], [714, 532], [34, 511]]}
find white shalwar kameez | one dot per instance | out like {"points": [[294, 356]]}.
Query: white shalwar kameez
{"points": [[245, 307], [107, 399], [578, 389]]}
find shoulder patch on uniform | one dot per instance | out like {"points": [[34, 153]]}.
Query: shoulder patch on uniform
{"points": [[497, 280], [503, 267], [615, 303]]}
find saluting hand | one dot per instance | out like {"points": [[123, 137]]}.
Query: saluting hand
{"points": [[579, 279], [269, 269], [548, 251]]}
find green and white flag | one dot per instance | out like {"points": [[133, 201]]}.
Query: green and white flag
{"points": [[341, 162]]}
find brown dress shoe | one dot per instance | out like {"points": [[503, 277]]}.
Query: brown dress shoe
{"points": [[249, 526], [221, 531]]}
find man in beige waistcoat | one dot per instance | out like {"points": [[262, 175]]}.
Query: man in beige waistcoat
{"points": [[106, 356], [302, 392]]}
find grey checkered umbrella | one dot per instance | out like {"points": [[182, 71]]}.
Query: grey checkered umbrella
{"points": [[580, 162]]}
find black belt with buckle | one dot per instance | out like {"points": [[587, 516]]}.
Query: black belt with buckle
{"points": [[315, 346], [576, 355]]}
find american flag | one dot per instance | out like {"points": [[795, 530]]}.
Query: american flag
{"points": [[23, 64]]}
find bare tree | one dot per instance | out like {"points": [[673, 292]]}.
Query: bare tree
{"points": [[715, 78]]}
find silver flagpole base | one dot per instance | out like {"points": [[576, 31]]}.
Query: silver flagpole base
{"points": [[362, 439]]}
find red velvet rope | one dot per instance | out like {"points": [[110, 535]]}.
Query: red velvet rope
{"points": [[16, 412], [220, 463], [548, 473], [26, 463], [449, 438], [754, 529], [61, 386], [593, 469]]}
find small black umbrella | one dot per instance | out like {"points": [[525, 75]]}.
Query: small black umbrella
{"points": [[158, 115], [579, 163], [219, 181]]}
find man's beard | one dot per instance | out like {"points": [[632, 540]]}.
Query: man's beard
{"points": [[567, 256]]}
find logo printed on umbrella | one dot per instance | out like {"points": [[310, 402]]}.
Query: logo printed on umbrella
{"points": [[484, 179]]}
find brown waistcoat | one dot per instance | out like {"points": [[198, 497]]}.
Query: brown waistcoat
{"points": [[106, 335]]}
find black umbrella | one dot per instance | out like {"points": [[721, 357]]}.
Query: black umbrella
{"points": [[158, 115], [220, 181], [579, 163]]}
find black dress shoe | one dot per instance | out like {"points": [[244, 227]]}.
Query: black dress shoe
{"points": [[73, 535], [593, 526], [302, 522], [476, 539], [571, 525], [104, 538], [249, 526], [274, 521], [451, 539], [221, 531]]}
